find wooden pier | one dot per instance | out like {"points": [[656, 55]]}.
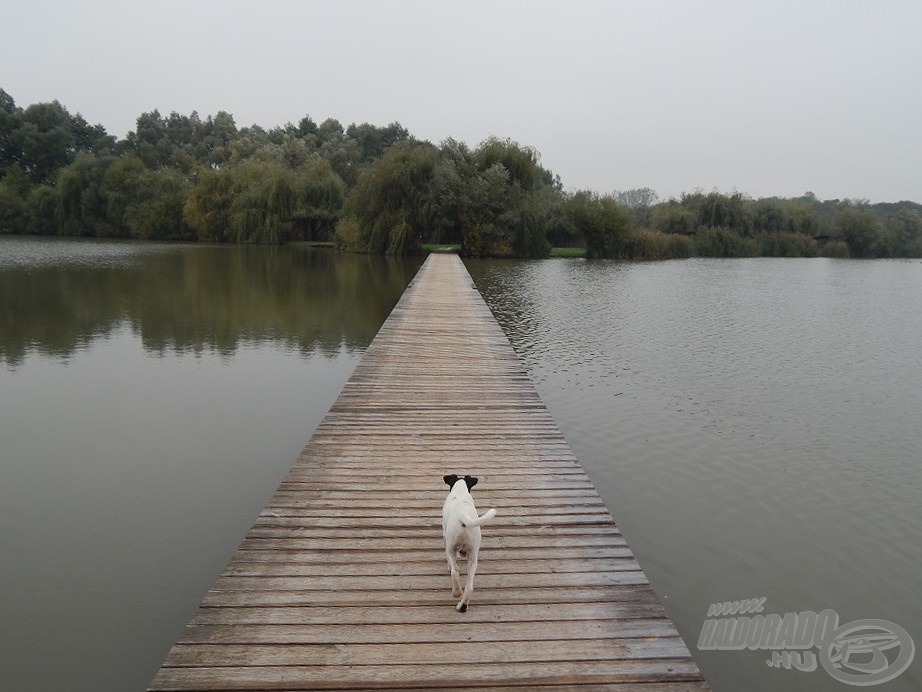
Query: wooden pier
{"points": [[342, 582]]}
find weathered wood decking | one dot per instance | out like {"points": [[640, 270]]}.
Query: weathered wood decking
{"points": [[342, 582]]}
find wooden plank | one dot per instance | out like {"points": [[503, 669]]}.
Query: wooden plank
{"points": [[405, 521], [295, 498], [341, 583], [440, 598], [422, 510], [502, 531], [547, 540], [573, 580], [607, 631], [530, 674], [243, 556], [475, 652], [550, 505], [406, 569], [621, 615]]}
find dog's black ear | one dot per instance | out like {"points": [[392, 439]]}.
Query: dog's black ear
{"points": [[450, 480], [470, 481]]}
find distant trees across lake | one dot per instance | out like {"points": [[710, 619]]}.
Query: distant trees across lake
{"points": [[378, 189]]}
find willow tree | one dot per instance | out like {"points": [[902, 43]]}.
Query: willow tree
{"points": [[82, 197], [495, 199], [394, 199], [208, 207], [604, 223], [521, 162], [321, 196], [264, 201], [717, 210], [860, 228]]}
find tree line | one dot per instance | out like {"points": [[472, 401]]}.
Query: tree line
{"points": [[378, 189]]}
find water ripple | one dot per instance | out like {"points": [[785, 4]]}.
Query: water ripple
{"points": [[752, 424]]}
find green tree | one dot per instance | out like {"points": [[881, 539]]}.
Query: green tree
{"points": [[218, 132], [146, 204], [489, 204], [83, 203], [10, 122], [307, 126], [122, 184], [802, 219], [265, 200], [262, 201], [486, 207], [158, 213], [717, 210], [521, 162], [724, 242], [10, 208], [44, 138], [297, 153], [341, 151], [604, 223], [373, 141], [455, 207], [503, 198], [322, 194], [775, 215], [860, 228], [41, 211], [44, 142], [769, 215], [641, 202], [394, 199], [149, 142], [207, 209], [904, 230], [330, 130], [672, 217]]}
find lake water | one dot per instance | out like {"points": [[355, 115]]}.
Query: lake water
{"points": [[754, 425], [152, 397]]}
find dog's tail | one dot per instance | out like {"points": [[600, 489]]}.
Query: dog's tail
{"points": [[478, 521]]}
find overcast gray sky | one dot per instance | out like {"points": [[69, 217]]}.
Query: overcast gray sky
{"points": [[768, 98]]}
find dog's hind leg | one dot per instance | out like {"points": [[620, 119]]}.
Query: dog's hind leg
{"points": [[469, 585], [455, 575]]}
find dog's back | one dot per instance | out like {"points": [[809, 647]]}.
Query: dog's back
{"points": [[459, 511]]}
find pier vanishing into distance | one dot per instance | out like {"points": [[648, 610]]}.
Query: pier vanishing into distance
{"points": [[342, 582]]}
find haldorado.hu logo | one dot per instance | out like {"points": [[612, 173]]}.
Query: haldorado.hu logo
{"points": [[861, 652]]}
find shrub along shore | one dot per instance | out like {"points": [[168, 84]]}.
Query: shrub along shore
{"points": [[377, 189]]}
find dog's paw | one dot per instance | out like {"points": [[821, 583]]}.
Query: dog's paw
{"points": [[461, 607]]}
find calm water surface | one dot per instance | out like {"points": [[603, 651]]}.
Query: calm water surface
{"points": [[754, 426], [152, 397]]}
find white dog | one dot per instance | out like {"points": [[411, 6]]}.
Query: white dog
{"points": [[461, 529]]}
